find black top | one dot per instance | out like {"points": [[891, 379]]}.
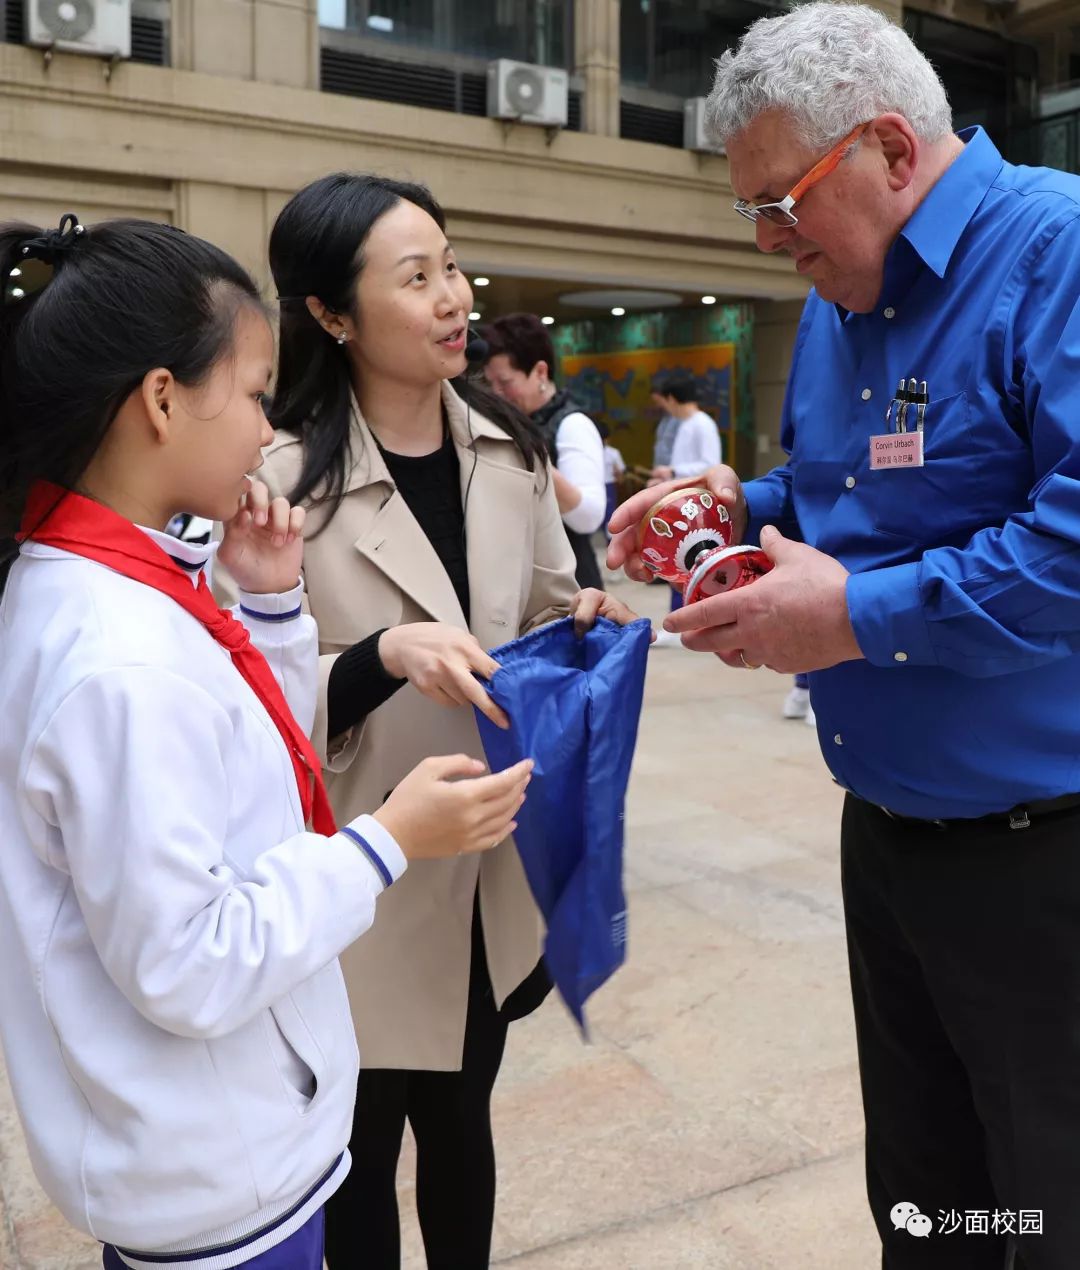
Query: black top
{"points": [[431, 488], [547, 420]]}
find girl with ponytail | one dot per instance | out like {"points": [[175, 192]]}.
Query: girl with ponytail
{"points": [[174, 891]]}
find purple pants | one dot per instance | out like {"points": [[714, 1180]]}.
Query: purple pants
{"points": [[301, 1251]]}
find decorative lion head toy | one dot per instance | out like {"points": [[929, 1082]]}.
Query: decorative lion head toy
{"points": [[686, 539]]}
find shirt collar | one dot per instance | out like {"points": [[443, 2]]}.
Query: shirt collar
{"points": [[369, 466], [942, 217], [192, 557]]}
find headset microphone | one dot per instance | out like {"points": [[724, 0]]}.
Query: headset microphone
{"points": [[476, 349]]}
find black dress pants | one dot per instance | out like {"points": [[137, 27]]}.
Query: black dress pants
{"points": [[964, 948], [450, 1116]]}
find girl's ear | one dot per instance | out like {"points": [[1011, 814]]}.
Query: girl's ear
{"points": [[158, 394]]}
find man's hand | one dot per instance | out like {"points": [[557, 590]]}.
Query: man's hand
{"points": [[793, 619], [622, 550]]}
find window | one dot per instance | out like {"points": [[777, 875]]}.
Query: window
{"points": [[669, 45], [525, 30], [990, 80]]}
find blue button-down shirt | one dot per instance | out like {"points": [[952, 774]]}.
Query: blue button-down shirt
{"points": [[965, 573]]}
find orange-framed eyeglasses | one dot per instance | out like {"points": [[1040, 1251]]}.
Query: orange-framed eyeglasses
{"points": [[781, 213]]}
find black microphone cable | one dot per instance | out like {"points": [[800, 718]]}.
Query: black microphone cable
{"points": [[476, 353]]}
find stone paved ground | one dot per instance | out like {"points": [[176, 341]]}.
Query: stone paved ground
{"points": [[713, 1121]]}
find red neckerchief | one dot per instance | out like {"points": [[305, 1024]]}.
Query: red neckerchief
{"points": [[60, 518]]}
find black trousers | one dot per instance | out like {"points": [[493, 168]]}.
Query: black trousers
{"points": [[450, 1116], [964, 948]]}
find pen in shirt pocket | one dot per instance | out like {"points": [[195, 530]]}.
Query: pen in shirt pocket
{"points": [[910, 392]]}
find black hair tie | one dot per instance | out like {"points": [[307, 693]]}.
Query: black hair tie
{"points": [[51, 246]]}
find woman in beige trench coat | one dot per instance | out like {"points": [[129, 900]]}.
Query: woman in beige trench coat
{"points": [[433, 534]]}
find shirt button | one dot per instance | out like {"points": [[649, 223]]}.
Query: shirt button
{"points": [[899, 656], [850, 482], [866, 394], [838, 739], [890, 312]]}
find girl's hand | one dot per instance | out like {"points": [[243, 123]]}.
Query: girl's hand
{"points": [[263, 547], [590, 604], [440, 661], [445, 807]]}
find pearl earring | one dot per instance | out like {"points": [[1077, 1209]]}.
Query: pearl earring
{"points": [[343, 338]]}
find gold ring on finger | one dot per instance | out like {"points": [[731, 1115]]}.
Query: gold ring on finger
{"points": [[749, 665]]}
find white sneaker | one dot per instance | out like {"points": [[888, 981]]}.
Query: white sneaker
{"points": [[811, 718], [796, 704], [666, 639]]}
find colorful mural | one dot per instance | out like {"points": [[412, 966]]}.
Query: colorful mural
{"points": [[614, 389], [611, 361]]}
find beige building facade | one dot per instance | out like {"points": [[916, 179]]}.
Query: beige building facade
{"points": [[218, 138]]}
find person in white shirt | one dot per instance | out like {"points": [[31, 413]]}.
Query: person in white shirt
{"points": [[520, 368], [614, 468], [689, 440], [173, 891], [697, 441]]}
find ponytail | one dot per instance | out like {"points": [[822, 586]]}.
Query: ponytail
{"points": [[85, 314]]}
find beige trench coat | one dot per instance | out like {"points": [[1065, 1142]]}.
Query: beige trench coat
{"points": [[373, 567]]}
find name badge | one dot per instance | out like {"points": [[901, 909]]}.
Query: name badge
{"points": [[896, 449]]}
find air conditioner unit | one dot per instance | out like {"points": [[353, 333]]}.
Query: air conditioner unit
{"points": [[100, 27], [695, 136], [527, 94]]}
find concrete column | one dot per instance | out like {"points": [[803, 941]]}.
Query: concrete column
{"points": [[275, 41], [775, 325], [596, 59]]}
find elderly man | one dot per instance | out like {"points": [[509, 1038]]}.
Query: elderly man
{"points": [[926, 539]]}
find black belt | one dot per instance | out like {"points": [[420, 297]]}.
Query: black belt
{"points": [[1019, 817]]}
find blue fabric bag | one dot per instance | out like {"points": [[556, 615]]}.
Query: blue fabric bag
{"points": [[573, 706]]}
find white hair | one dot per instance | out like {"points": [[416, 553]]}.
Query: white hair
{"points": [[830, 67]]}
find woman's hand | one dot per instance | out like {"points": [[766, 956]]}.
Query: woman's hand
{"points": [[445, 807], [590, 604], [441, 662], [263, 547]]}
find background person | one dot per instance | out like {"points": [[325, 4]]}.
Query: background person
{"points": [[666, 426], [936, 607], [614, 470], [521, 368], [797, 702], [688, 441], [695, 441]]}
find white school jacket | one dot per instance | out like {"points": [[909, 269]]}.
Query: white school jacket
{"points": [[172, 1011]]}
